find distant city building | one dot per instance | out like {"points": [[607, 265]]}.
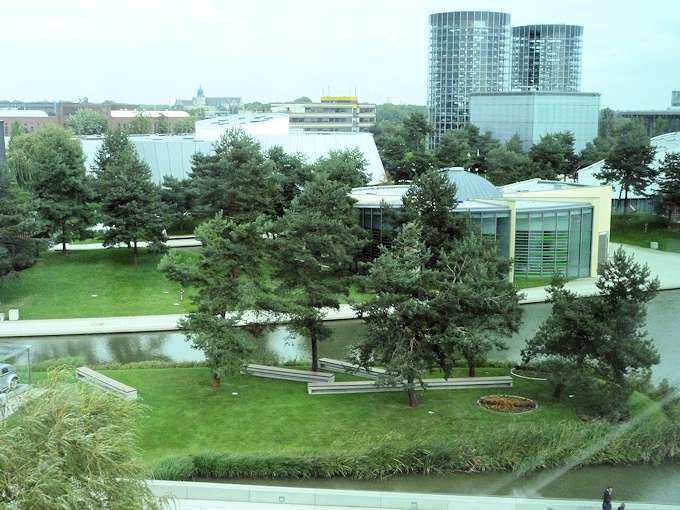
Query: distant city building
{"points": [[534, 114], [27, 119], [547, 58], [675, 99], [337, 114], [121, 118], [211, 104], [468, 51]]}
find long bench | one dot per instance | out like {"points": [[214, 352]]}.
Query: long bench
{"points": [[336, 365], [456, 383], [289, 374], [106, 383]]}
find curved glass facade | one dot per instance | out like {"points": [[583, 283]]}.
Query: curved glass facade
{"points": [[553, 241], [547, 58], [468, 51]]}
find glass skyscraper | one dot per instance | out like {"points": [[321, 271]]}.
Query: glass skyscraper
{"points": [[547, 58], [469, 51]]}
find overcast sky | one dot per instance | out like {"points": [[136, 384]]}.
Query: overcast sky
{"points": [[152, 51]]}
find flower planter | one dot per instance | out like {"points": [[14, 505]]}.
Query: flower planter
{"points": [[507, 404]]}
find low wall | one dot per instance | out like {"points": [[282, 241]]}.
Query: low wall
{"points": [[301, 497]]}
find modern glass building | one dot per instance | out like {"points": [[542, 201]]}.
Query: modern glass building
{"points": [[546, 227], [547, 58], [468, 51]]}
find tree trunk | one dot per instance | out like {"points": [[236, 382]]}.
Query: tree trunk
{"points": [[471, 368], [315, 352], [134, 251], [558, 389], [63, 246], [216, 381], [625, 201], [412, 398]]}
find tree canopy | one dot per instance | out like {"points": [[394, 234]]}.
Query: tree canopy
{"points": [[87, 121], [669, 183]]}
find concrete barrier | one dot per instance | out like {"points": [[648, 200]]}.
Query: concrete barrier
{"points": [[284, 498], [454, 383]]}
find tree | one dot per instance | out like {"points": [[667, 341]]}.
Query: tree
{"points": [[292, 172], [604, 333], [454, 149], [178, 197], [314, 244], [505, 166], [416, 130], [184, 126], [669, 183], [553, 155], [237, 180], [629, 164], [431, 202], [393, 148], [19, 227], [19, 158], [514, 144], [17, 129], [59, 184], [302, 100], [162, 125], [396, 113], [346, 167], [140, 124], [227, 278], [87, 121], [130, 203], [74, 446]]}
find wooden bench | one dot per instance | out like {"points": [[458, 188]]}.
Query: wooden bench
{"points": [[456, 383], [336, 365], [288, 374], [106, 383]]}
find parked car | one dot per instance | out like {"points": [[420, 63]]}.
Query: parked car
{"points": [[8, 377]]}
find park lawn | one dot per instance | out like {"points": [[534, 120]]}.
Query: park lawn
{"points": [[630, 229], [62, 285], [186, 416]]}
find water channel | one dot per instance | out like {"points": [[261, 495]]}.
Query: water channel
{"points": [[659, 484]]}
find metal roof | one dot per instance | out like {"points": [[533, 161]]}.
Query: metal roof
{"points": [[22, 113], [470, 186]]}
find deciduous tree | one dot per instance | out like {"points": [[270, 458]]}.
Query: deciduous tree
{"points": [[346, 167], [87, 121], [669, 183]]}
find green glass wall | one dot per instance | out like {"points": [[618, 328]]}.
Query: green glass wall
{"points": [[554, 241], [494, 226]]}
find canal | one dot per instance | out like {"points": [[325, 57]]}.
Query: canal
{"points": [[659, 484]]}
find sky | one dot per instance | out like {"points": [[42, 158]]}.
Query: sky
{"points": [[149, 51]]}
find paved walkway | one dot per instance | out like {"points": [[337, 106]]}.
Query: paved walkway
{"points": [[665, 265], [215, 496], [182, 242]]}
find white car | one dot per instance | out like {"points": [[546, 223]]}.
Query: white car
{"points": [[8, 377]]}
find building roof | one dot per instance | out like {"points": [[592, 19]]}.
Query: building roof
{"points": [[171, 155], [540, 185], [470, 186], [127, 114], [22, 113], [669, 142]]}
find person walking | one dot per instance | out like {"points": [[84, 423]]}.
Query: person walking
{"points": [[607, 499]]}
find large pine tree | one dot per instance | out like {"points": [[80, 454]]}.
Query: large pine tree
{"points": [[130, 203]]}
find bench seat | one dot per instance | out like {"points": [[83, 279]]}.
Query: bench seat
{"points": [[456, 383], [106, 383], [288, 374]]}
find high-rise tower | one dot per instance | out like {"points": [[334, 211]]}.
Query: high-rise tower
{"points": [[547, 58], [469, 51]]}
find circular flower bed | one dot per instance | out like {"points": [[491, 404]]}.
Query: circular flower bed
{"points": [[507, 404], [531, 374]]}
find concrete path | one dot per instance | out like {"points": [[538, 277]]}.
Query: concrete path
{"points": [[182, 242], [665, 265], [216, 496]]}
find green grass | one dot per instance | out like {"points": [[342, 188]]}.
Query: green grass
{"points": [[62, 285], [641, 229], [186, 416]]}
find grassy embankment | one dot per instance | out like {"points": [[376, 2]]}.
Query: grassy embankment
{"points": [[272, 428], [641, 229]]}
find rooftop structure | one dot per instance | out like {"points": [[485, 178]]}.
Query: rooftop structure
{"points": [[337, 114], [547, 227], [532, 115]]}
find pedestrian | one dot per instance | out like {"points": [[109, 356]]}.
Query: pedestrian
{"points": [[607, 499]]}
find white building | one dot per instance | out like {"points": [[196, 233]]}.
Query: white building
{"points": [[534, 114], [337, 114]]}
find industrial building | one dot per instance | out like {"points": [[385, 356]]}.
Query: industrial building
{"points": [[546, 227], [531, 115]]}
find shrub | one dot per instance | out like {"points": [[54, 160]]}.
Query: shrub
{"points": [[595, 398]]}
